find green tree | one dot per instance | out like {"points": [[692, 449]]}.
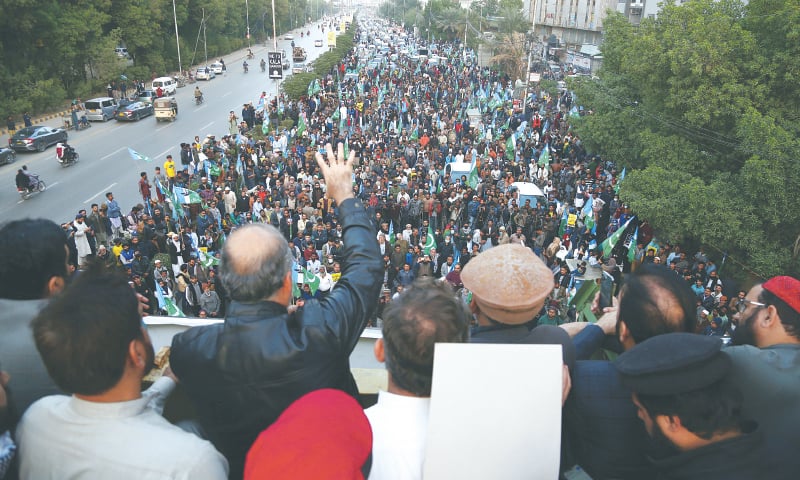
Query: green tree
{"points": [[689, 102]]}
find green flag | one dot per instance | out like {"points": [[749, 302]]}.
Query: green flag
{"points": [[544, 158], [314, 88], [311, 279], [207, 260], [176, 204], [346, 148], [430, 241], [608, 244], [510, 148], [563, 226], [172, 309], [473, 179], [632, 247], [213, 170], [301, 125]]}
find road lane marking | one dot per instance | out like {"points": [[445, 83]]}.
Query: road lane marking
{"points": [[165, 126], [226, 94], [204, 127], [113, 153], [116, 128], [98, 193], [163, 153]]}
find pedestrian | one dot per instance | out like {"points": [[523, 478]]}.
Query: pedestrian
{"points": [[12, 127], [26, 118]]}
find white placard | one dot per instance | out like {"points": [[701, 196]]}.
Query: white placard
{"points": [[495, 412]]}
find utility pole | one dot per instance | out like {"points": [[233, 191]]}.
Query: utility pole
{"points": [[247, 16], [274, 34], [177, 39], [205, 46]]}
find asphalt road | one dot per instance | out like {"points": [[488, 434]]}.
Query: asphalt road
{"points": [[105, 164]]}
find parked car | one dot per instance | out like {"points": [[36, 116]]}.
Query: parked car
{"points": [[37, 137], [147, 96], [204, 73], [7, 155], [134, 111], [318, 42], [216, 67], [100, 109], [288, 36]]}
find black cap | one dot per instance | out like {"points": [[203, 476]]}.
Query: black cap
{"points": [[673, 363]]}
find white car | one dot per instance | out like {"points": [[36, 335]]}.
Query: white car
{"points": [[216, 68], [288, 36], [204, 73], [299, 67], [318, 43]]}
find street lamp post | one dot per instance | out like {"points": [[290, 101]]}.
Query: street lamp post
{"points": [[247, 16]]}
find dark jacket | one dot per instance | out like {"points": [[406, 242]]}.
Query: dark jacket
{"points": [[738, 458], [243, 373]]}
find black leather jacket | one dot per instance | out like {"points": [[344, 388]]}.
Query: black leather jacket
{"points": [[243, 373]]}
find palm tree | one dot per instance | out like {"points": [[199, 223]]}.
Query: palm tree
{"points": [[510, 55]]}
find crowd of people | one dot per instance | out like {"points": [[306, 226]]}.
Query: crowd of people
{"points": [[299, 247]]}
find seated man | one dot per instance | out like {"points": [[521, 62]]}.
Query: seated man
{"points": [[426, 314], [243, 373], [94, 344], [690, 410]]}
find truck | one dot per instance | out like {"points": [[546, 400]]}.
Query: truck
{"points": [[298, 54]]}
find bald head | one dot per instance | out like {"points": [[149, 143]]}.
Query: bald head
{"points": [[254, 263], [655, 301]]}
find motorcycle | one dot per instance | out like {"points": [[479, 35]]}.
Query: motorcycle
{"points": [[36, 187], [245, 67], [68, 158], [198, 100], [250, 55]]}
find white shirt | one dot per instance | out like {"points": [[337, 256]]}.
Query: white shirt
{"points": [[399, 427], [63, 437]]}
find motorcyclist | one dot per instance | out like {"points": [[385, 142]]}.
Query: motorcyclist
{"points": [[64, 153], [250, 53], [198, 95], [263, 65], [23, 181], [26, 179], [245, 66]]}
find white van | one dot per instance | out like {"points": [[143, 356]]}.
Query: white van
{"points": [[100, 109], [167, 84]]}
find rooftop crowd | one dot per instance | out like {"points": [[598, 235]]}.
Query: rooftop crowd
{"points": [[300, 237]]}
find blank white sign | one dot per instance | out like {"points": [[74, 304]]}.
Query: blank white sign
{"points": [[495, 412]]}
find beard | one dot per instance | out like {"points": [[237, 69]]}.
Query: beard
{"points": [[659, 446], [744, 333]]}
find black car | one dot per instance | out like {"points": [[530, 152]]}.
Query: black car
{"points": [[7, 156], [37, 137], [134, 111]]}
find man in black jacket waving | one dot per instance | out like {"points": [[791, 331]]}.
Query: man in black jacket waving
{"points": [[243, 373]]}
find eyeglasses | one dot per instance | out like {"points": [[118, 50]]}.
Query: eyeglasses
{"points": [[755, 304]]}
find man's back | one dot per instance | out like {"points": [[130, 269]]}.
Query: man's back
{"points": [[65, 437], [18, 354], [399, 429], [242, 374], [769, 379]]}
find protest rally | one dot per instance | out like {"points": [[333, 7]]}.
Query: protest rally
{"points": [[411, 193]]}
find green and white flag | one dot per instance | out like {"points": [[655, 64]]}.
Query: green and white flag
{"points": [[186, 196], [472, 179], [301, 125], [608, 244], [207, 260], [311, 280], [430, 241], [172, 309]]}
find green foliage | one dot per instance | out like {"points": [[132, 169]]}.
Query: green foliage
{"points": [[53, 50], [297, 85], [701, 106]]}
